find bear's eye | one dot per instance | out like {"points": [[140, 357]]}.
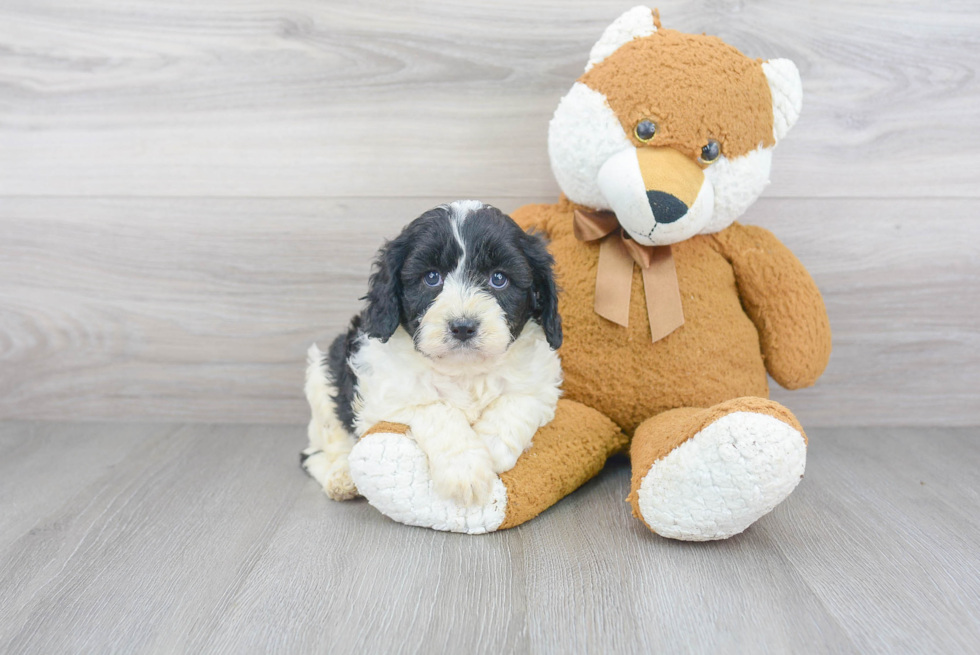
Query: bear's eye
{"points": [[710, 152], [645, 130], [432, 278]]}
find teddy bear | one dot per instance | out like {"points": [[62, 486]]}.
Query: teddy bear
{"points": [[673, 311]]}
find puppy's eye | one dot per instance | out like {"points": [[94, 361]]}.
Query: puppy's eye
{"points": [[498, 280], [432, 278], [710, 153], [645, 130]]}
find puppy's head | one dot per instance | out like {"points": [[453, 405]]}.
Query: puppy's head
{"points": [[463, 279]]}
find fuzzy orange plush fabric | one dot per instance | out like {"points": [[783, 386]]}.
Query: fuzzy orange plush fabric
{"points": [[723, 349], [566, 453], [729, 95]]}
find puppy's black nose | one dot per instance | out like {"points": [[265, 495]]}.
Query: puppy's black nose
{"points": [[463, 328], [666, 208]]}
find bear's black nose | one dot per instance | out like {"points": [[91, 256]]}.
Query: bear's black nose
{"points": [[666, 208], [463, 328]]}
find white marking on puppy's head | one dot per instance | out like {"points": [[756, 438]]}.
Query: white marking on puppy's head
{"points": [[463, 279], [459, 211]]}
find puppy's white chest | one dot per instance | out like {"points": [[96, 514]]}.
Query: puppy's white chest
{"points": [[394, 380], [471, 395]]}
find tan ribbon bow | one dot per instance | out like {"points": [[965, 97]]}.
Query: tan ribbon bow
{"points": [[614, 278]]}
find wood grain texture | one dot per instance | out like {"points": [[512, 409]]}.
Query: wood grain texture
{"points": [[446, 98], [203, 309], [210, 539], [190, 194]]}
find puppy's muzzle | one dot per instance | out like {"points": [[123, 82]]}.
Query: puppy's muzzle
{"points": [[463, 329]]}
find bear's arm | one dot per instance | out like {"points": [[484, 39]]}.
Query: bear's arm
{"points": [[783, 301]]}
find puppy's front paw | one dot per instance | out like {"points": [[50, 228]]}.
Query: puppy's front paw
{"points": [[466, 477], [502, 454]]}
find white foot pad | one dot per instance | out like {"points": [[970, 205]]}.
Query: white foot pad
{"points": [[392, 472], [724, 478]]}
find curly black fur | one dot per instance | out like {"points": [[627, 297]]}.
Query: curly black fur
{"points": [[339, 371]]}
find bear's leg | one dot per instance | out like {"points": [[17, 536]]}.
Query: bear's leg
{"points": [[391, 471], [702, 474]]}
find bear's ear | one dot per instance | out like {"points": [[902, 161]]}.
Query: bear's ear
{"points": [[635, 23], [787, 94]]}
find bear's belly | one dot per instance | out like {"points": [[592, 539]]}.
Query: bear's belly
{"points": [[713, 357]]}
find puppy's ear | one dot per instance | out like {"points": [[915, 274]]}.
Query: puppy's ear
{"points": [[383, 312], [544, 291]]}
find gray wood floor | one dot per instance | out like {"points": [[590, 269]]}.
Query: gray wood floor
{"points": [[190, 538]]}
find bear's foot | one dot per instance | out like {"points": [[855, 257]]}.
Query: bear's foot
{"points": [[392, 472], [703, 474]]}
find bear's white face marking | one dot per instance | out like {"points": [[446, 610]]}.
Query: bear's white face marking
{"points": [[583, 134], [659, 196], [737, 183]]}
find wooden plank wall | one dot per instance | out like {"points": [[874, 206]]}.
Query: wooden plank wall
{"points": [[190, 192]]}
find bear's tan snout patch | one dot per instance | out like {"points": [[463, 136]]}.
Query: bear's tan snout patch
{"points": [[672, 181]]}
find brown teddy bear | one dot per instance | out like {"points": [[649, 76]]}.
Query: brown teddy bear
{"points": [[673, 312]]}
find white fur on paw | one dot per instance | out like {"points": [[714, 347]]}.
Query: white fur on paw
{"points": [[466, 477], [503, 456], [334, 477], [392, 472], [724, 478]]}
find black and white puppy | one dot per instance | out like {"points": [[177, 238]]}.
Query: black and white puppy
{"points": [[457, 341]]}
